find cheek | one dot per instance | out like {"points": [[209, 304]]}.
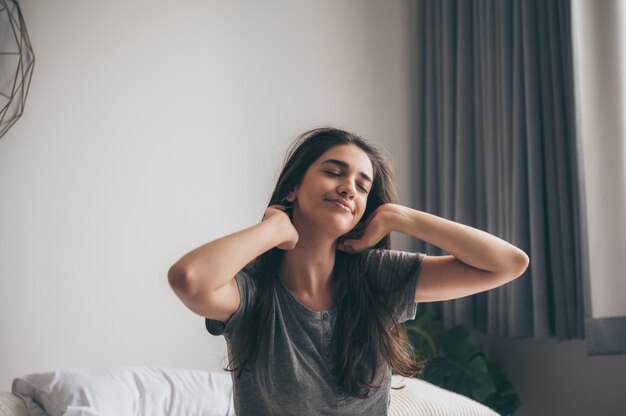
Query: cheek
{"points": [[362, 205]]}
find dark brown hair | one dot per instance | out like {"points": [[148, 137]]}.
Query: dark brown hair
{"points": [[365, 334]]}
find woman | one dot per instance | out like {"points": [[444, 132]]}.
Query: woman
{"points": [[309, 300]]}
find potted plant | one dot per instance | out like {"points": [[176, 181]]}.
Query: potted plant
{"points": [[455, 362]]}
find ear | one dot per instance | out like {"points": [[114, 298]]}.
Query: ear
{"points": [[291, 197]]}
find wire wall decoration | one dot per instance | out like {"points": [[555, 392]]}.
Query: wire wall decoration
{"points": [[16, 64]]}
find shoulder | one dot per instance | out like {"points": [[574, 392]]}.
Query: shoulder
{"points": [[393, 275], [246, 287], [388, 267], [248, 276], [381, 260]]}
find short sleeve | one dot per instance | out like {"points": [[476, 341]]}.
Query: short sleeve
{"points": [[394, 274], [247, 290]]}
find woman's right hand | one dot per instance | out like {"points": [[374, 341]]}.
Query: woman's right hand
{"points": [[285, 227]]}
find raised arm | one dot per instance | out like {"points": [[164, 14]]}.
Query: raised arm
{"points": [[204, 278], [478, 261]]}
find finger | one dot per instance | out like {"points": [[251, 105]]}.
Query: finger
{"points": [[356, 246], [351, 246], [363, 243], [269, 209], [344, 247]]}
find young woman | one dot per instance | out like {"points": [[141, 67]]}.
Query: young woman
{"points": [[309, 300]]}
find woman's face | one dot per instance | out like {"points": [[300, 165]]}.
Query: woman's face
{"points": [[333, 193]]}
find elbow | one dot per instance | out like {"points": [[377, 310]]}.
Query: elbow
{"points": [[515, 267], [179, 279], [519, 263]]}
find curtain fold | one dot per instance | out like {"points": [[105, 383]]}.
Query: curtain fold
{"points": [[495, 149]]}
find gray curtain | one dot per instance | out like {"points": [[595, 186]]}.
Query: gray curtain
{"points": [[495, 148]]}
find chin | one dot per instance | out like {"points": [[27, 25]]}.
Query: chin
{"points": [[336, 226]]}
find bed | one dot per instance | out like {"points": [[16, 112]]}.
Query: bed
{"points": [[153, 391]]}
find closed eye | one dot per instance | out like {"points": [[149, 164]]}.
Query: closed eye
{"points": [[331, 173]]}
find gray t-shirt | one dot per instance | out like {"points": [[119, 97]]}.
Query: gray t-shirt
{"points": [[294, 372]]}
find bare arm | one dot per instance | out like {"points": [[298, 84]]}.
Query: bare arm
{"points": [[478, 261], [204, 278]]}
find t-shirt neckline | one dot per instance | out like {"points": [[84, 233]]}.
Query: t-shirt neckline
{"points": [[294, 299]]}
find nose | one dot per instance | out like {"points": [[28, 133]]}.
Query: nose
{"points": [[347, 189]]}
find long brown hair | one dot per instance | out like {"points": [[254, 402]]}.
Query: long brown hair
{"points": [[363, 336]]}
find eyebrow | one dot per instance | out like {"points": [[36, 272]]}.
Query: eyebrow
{"points": [[344, 165]]}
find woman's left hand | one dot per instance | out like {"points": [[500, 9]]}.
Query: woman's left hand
{"points": [[375, 227]]}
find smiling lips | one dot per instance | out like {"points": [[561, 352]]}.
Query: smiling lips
{"points": [[342, 204]]}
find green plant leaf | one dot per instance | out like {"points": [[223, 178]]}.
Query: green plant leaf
{"points": [[458, 345], [456, 362], [505, 401], [425, 332], [422, 342], [461, 367], [437, 371]]}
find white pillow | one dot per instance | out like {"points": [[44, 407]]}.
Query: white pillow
{"points": [[419, 397], [129, 391]]}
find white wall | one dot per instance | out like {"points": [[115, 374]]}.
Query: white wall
{"points": [[152, 127]]}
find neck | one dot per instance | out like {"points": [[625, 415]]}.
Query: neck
{"points": [[307, 268]]}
